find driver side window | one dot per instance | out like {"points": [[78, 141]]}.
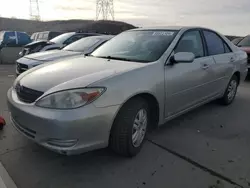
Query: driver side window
{"points": [[191, 41]]}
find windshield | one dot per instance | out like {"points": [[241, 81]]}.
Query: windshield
{"points": [[245, 41], [140, 46], [61, 38], [82, 44]]}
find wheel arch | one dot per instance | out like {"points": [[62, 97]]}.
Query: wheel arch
{"points": [[237, 74], [153, 106]]}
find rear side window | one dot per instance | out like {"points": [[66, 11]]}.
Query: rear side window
{"points": [[53, 35], [215, 44], [41, 36], [45, 36], [23, 39]]}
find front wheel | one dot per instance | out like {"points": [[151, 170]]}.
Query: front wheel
{"points": [[130, 127], [231, 91]]}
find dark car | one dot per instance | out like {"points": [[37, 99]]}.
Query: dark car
{"points": [[244, 44], [236, 40], [56, 43], [13, 39], [45, 35]]}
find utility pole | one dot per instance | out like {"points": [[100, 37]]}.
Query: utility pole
{"points": [[34, 10], [105, 8]]}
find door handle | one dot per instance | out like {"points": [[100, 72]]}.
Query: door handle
{"points": [[205, 66]]}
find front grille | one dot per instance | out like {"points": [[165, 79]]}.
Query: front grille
{"points": [[26, 94], [21, 67]]}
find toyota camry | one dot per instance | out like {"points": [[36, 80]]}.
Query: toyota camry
{"points": [[135, 82]]}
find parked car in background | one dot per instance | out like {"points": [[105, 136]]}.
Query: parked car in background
{"points": [[81, 47], [244, 45], [136, 81], [13, 39], [45, 35], [236, 40], [56, 43]]}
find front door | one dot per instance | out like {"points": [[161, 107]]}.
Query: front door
{"points": [[186, 84]]}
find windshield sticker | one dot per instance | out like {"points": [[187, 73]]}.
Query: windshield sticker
{"points": [[163, 33]]}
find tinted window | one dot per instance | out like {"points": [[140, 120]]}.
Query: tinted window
{"points": [[73, 39], [191, 42], [62, 38], [245, 41], [53, 35], [23, 38], [82, 44], [139, 46], [10, 38], [215, 45]]}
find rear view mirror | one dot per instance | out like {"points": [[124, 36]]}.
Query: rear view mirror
{"points": [[184, 57]]}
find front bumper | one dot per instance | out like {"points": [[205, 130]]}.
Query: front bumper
{"points": [[64, 131]]}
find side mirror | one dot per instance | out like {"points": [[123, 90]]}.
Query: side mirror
{"points": [[183, 57]]}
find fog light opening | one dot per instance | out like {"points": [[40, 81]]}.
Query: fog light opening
{"points": [[62, 143]]}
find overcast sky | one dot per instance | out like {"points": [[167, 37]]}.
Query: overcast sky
{"points": [[226, 16]]}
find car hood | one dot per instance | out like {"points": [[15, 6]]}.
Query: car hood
{"points": [[246, 49], [73, 73], [51, 55], [36, 43]]}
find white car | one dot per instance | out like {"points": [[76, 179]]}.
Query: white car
{"points": [[81, 47], [56, 43]]}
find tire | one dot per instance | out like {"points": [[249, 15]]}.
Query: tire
{"points": [[124, 128], [227, 99]]}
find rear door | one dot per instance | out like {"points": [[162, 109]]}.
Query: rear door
{"points": [[223, 56]]}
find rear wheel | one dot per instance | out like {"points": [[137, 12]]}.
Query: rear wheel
{"points": [[130, 127], [231, 91]]}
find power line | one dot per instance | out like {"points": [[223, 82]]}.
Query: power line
{"points": [[34, 10], [105, 8]]}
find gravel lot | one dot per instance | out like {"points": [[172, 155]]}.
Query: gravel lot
{"points": [[208, 147]]}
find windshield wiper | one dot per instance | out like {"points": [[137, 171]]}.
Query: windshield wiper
{"points": [[114, 58]]}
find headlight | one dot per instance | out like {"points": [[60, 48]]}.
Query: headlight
{"points": [[70, 99], [21, 53]]}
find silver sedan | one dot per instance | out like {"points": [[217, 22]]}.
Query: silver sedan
{"points": [[137, 81]]}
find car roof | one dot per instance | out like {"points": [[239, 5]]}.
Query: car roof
{"points": [[100, 37], [104, 36], [171, 28]]}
